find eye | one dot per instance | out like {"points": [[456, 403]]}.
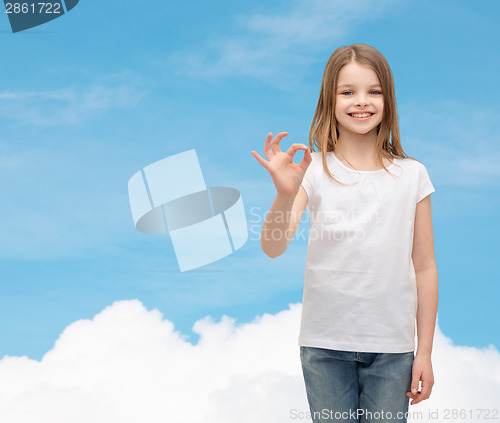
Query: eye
{"points": [[347, 92], [376, 92]]}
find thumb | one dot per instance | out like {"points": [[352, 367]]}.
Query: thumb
{"points": [[414, 384]]}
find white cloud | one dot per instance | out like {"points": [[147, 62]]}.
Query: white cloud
{"points": [[272, 47], [129, 364], [460, 146], [69, 105]]}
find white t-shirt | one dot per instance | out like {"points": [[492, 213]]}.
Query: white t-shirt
{"points": [[360, 290]]}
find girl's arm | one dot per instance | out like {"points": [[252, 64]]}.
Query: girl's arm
{"points": [[424, 263], [426, 273], [282, 222], [291, 198]]}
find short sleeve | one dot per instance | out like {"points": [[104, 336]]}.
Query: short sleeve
{"points": [[425, 186]]}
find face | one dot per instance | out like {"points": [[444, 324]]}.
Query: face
{"points": [[359, 100]]}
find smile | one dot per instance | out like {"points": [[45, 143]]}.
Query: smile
{"points": [[361, 116]]}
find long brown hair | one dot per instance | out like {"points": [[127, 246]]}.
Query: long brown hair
{"points": [[324, 132]]}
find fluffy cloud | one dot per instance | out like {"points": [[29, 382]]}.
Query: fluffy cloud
{"points": [[128, 364], [70, 105], [274, 47]]}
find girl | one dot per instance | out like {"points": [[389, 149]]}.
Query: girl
{"points": [[370, 267]]}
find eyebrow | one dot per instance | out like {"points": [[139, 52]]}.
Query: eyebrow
{"points": [[350, 85]]}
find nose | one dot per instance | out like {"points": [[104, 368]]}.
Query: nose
{"points": [[361, 100]]}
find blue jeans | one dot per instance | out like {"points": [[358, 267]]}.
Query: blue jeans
{"points": [[346, 386]]}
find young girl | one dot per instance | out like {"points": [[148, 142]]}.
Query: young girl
{"points": [[370, 268]]}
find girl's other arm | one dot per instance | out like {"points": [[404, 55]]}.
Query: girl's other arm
{"points": [[427, 291]]}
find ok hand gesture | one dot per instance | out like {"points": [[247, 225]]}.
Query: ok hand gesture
{"points": [[286, 175]]}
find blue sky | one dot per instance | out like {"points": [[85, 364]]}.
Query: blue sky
{"points": [[92, 97]]}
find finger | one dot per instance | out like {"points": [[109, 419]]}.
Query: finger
{"points": [[275, 143], [426, 389], [267, 144], [307, 159], [414, 384], [294, 147], [262, 161], [412, 396], [418, 398], [307, 154]]}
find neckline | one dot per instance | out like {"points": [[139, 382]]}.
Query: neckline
{"points": [[361, 171]]}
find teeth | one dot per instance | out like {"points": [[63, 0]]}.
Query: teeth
{"points": [[360, 115]]}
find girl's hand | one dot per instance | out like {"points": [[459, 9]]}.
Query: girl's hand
{"points": [[287, 175], [421, 371]]}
